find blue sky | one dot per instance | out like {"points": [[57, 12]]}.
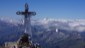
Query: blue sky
{"points": [[58, 9]]}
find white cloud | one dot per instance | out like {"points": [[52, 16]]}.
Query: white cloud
{"points": [[75, 25]]}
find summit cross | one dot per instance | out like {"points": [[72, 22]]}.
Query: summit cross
{"points": [[27, 15]]}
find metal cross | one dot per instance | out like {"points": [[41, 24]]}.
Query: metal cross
{"points": [[27, 15]]}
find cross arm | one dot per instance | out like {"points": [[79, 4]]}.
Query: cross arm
{"points": [[20, 13], [32, 13]]}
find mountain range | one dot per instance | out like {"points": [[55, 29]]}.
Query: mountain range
{"points": [[49, 33]]}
